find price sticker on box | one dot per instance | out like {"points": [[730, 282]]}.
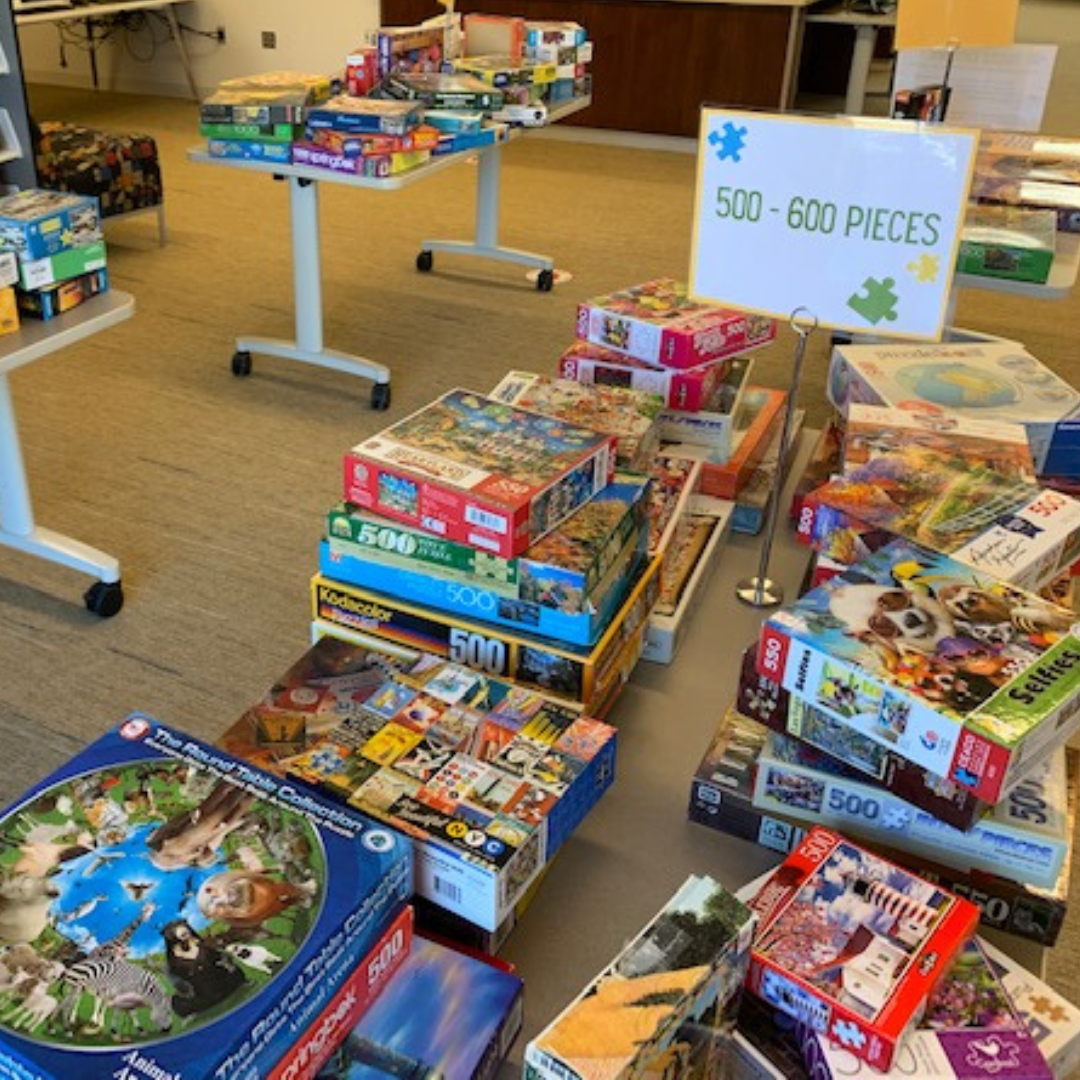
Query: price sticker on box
{"points": [[855, 220]]}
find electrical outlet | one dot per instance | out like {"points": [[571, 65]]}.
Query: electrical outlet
{"points": [[269, 39], [221, 34]]}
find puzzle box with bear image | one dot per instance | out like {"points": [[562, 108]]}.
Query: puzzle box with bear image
{"points": [[968, 676], [167, 910]]}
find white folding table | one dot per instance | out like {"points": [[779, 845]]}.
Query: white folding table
{"points": [[304, 180], [18, 529]]}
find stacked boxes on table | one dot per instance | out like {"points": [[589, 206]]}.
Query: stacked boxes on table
{"points": [[566, 45], [190, 916], [57, 241], [487, 779], [257, 117]]}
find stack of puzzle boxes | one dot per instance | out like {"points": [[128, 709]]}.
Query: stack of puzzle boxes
{"points": [[691, 358], [52, 254], [920, 696]]}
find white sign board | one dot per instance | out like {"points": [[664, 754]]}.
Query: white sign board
{"points": [[988, 88], [855, 220]]}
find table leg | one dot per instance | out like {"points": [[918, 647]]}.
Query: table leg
{"points": [[17, 528], [181, 48], [486, 245], [861, 56], [308, 347]]}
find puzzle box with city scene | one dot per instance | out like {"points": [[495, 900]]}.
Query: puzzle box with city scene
{"points": [[681, 391], [169, 910], [967, 676], [714, 426], [488, 779], [586, 675], [630, 415], [665, 1006], [659, 322], [852, 945], [36, 223], [764, 700], [479, 471], [1024, 837], [564, 570], [987, 380]]}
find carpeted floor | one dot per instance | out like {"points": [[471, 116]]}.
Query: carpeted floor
{"points": [[211, 489]]}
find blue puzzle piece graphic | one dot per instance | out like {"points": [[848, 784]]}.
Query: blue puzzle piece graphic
{"points": [[730, 144], [848, 1034], [877, 302]]}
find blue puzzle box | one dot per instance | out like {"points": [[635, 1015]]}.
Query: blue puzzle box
{"points": [[36, 223], [169, 911], [486, 603]]}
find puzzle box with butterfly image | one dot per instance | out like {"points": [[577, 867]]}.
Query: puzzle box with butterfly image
{"points": [[168, 910]]}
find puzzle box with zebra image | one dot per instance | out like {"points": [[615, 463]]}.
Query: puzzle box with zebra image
{"points": [[168, 911]]}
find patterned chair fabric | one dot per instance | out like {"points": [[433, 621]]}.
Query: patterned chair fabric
{"points": [[123, 171]]}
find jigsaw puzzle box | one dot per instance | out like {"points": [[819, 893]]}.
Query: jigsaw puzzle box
{"points": [[1025, 837], [630, 415], [683, 584], [443, 1014], [681, 391], [488, 779], [480, 602], [568, 570], [665, 1005], [756, 427], [987, 380], [171, 911], [479, 471], [753, 501], [1011, 529], [659, 323], [712, 427], [36, 223], [764, 700], [588, 676], [967, 676], [852, 945]]}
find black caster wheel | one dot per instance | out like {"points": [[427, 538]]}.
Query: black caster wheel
{"points": [[545, 280], [424, 261], [104, 598], [241, 363], [380, 396]]}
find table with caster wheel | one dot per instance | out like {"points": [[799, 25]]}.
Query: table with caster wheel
{"points": [[486, 244], [18, 529], [303, 184]]}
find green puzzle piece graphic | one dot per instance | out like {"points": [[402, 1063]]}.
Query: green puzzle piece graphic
{"points": [[877, 302]]}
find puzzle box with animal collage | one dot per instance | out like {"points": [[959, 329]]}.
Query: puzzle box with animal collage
{"points": [[852, 945], [168, 910], [487, 778], [967, 676], [479, 471]]}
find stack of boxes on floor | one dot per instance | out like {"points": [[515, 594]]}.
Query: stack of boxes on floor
{"points": [[53, 254], [415, 92], [192, 916], [919, 698]]}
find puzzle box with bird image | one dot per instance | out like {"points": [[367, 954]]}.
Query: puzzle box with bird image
{"points": [[167, 910]]}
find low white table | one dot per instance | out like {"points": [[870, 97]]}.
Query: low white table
{"points": [[18, 529]]}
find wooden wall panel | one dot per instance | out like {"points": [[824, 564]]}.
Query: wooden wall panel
{"points": [[656, 62]]}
